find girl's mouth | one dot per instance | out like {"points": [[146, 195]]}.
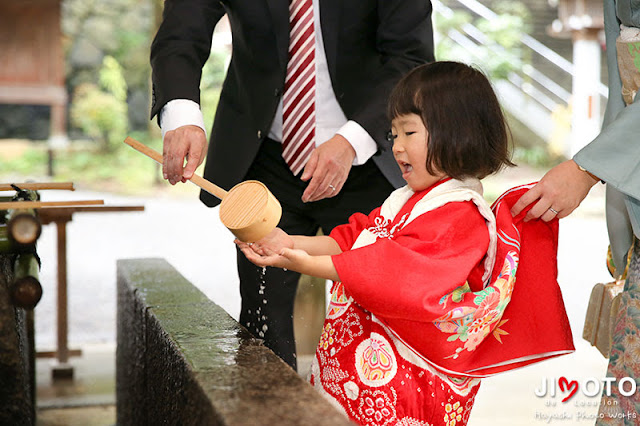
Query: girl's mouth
{"points": [[406, 168]]}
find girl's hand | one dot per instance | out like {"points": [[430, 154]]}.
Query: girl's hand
{"points": [[274, 242], [287, 258], [293, 259]]}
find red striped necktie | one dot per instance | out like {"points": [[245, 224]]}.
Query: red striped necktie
{"points": [[299, 113]]}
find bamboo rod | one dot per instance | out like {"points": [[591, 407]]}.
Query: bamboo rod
{"points": [[211, 188], [37, 204], [36, 186]]}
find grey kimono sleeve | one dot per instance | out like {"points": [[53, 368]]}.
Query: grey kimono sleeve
{"points": [[614, 155]]}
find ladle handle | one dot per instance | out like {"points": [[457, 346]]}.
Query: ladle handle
{"points": [[211, 188]]}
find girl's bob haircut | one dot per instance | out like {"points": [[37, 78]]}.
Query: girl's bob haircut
{"points": [[468, 136]]}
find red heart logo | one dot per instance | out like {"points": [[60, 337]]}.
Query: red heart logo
{"points": [[571, 386]]}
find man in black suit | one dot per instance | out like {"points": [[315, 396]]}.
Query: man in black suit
{"points": [[360, 48]]}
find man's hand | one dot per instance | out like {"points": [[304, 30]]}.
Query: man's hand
{"points": [[186, 142], [559, 192], [328, 168]]}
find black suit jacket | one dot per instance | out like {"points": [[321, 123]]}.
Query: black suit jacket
{"points": [[369, 45]]}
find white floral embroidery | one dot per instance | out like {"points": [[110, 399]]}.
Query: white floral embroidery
{"points": [[398, 225], [380, 229], [381, 224]]}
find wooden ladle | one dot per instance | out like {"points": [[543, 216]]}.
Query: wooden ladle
{"points": [[249, 210]]}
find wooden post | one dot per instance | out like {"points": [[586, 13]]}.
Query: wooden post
{"points": [[61, 215], [63, 369]]}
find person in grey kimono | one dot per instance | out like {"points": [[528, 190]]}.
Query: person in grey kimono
{"points": [[613, 157]]}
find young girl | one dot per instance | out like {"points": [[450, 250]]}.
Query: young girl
{"points": [[425, 300]]}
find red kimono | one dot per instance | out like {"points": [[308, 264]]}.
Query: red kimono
{"points": [[424, 306]]}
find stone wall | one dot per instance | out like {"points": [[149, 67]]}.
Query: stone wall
{"points": [[17, 375], [181, 359]]}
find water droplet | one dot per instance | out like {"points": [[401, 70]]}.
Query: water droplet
{"points": [[261, 334], [264, 301], [265, 328]]}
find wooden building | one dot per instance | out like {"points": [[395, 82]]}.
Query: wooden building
{"points": [[32, 70]]}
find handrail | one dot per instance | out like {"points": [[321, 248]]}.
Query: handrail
{"points": [[469, 45], [547, 83], [527, 40]]}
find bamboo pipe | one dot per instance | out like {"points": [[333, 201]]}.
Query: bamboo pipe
{"points": [[211, 188], [6, 245], [36, 186], [26, 290], [24, 228]]}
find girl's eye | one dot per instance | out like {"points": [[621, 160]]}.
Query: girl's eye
{"points": [[409, 133]]}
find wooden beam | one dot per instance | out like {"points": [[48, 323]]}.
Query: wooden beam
{"points": [[52, 214], [39, 204], [53, 354], [33, 95], [37, 186]]}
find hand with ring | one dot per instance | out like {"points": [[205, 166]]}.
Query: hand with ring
{"points": [[563, 187], [327, 169]]}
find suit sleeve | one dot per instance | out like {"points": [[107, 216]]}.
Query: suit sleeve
{"points": [[405, 277], [404, 39], [181, 48]]}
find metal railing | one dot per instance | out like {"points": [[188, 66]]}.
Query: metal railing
{"points": [[528, 93]]}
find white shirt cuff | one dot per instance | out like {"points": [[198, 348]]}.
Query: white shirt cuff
{"points": [[362, 143], [180, 112]]}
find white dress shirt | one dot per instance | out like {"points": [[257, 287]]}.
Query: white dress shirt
{"points": [[330, 118]]}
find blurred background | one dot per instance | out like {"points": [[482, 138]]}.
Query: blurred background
{"points": [[75, 81]]}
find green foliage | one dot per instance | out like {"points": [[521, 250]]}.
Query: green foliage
{"points": [[124, 170], [101, 112], [112, 79], [213, 75], [32, 162], [536, 156], [125, 33], [501, 54]]}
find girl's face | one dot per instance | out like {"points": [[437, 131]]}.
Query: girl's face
{"points": [[410, 151]]}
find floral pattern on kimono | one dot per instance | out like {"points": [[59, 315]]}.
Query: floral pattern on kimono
{"points": [[420, 313]]}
